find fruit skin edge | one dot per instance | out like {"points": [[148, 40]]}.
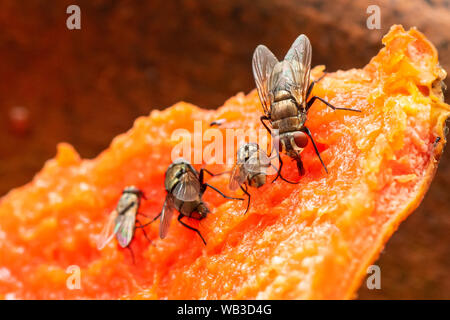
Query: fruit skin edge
{"points": [[421, 189], [393, 223]]}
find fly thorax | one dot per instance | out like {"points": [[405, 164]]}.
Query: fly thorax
{"points": [[257, 180], [283, 109], [126, 200], [170, 184], [172, 175], [246, 151]]}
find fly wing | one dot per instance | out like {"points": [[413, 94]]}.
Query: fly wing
{"points": [[125, 226], [257, 163], [107, 232], [299, 57], [263, 63], [237, 177], [166, 216], [188, 188]]}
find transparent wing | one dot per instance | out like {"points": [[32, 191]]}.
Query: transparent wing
{"points": [[188, 188], [299, 57], [107, 232], [125, 226], [282, 77], [237, 177], [257, 163], [166, 216], [263, 64]]}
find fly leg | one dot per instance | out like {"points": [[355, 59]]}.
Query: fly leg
{"points": [[146, 224], [210, 173], [300, 168], [204, 185], [278, 153], [189, 227], [311, 85], [248, 195], [311, 101], [264, 124], [132, 254], [267, 128], [141, 226], [315, 148], [279, 175], [279, 168], [220, 192]]}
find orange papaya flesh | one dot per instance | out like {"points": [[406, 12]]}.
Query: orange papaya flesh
{"points": [[311, 240]]}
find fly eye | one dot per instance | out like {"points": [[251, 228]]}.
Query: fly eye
{"points": [[300, 139]]}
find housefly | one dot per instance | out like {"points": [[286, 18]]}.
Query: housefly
{"points": [[123, 219], [284, 88], [217, 122], [250, 169], [251, 150], [185, 188]]}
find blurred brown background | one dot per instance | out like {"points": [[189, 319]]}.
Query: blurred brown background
{"points": [[86, 86]]}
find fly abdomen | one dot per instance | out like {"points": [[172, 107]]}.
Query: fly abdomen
{"points": [[186, 207], [288, 124], [283, 109], [193, 209], [257, 180]]}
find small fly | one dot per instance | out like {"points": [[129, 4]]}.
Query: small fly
{"points": [[185, 188], [250, 169], [284, 88], [122, 220]]}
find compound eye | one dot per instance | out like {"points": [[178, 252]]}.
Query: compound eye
{"points": [[300, 139]]}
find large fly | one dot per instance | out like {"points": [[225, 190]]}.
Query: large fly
{"points": [[185, 187], [284, 88]]}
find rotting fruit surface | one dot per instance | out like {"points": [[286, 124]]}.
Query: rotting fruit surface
{"points": [[312, 240]]}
